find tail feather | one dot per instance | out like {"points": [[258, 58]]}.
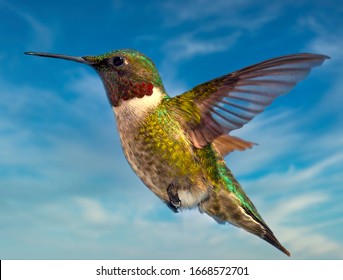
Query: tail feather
{"points": [[223, 206], [270, 237], [227, 201]]}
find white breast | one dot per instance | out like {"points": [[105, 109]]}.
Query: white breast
{"points": [[136, 108]]}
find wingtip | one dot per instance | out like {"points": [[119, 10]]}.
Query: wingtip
{"points": [[324, 56]]}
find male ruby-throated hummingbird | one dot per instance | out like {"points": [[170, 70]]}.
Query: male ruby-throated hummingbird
{"points": [[176, 145]]}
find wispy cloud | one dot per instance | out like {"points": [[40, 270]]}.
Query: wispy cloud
{"points": [[187, 46], [221, 14], [328, 39], [201, 26], [41, 143], [224, 15], [94, 213], [42, 34], [306, 244], [330, 42]]}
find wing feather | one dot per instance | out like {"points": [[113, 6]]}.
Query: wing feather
{"points": [[230, 101]]}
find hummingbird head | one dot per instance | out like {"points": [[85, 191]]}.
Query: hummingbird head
{"points": [[126, 74]]}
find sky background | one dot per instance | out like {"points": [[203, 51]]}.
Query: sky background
{"points": [[66, 190]]}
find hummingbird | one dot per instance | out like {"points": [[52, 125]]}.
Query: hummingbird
{"points": [[176, 145]]}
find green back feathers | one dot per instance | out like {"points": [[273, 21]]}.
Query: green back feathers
{"points": [[221, 177], [164, 133]]}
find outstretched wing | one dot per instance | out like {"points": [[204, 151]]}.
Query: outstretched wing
{"points": [[228, 102]]}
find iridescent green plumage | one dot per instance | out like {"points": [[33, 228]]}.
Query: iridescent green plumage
{"points": [[164, 132], [176, 145]]}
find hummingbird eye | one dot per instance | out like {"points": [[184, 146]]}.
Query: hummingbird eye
{"points": [[118, 61]]}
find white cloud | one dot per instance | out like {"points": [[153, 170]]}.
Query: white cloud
{"points": [[305, 244], [126, 232], [94, 213], [313, 175], [55, 145], [286, 210], [186, 46], [277, 135]]}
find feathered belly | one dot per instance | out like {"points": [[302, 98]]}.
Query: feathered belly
{"points": [[161, 157]]}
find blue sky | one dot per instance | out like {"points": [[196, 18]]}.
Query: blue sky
{"points": [[66, 191]]}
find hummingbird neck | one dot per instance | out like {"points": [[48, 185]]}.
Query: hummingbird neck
{"points": [[134, 110]]}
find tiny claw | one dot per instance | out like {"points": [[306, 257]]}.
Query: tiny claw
{"points": [[172, 207], [174, 199]]}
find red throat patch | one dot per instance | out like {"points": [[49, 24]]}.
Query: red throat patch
{"points": [[138, 90]]}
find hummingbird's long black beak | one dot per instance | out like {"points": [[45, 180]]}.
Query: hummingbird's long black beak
{"points": [[61, 56]]}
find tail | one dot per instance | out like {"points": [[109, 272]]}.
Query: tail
{"points": [[231, 204]]}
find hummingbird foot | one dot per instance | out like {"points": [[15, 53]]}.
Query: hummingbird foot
{"points": [[172, 207], [174, 200]]}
